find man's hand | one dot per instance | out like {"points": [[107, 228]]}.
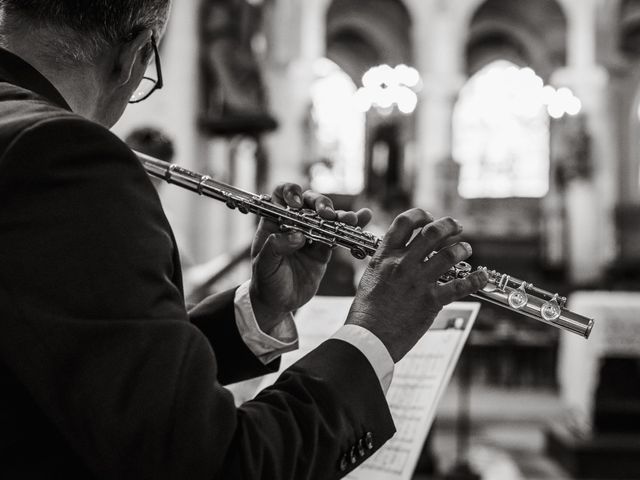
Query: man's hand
{"points": [[286, 269], [399, 297]]}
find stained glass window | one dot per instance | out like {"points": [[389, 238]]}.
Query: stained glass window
{"points": [[501, 133]]}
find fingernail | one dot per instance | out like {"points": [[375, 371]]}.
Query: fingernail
{"points": [[467, 247], [297, 199], [457, 222]]}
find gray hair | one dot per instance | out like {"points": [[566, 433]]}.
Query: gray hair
{"points": [[83, 29]]}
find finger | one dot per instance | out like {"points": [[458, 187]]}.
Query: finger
{"points": [[460, 288], [320, 203], [434, 236], [403, 226], [288, 194], [355, 219], [446, 258], [277, 246], [364, 217], [350, 218]]}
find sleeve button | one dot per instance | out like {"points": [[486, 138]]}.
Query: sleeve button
{"points": [[343, 463], [361, 451], [352, 455], [369, 440]]}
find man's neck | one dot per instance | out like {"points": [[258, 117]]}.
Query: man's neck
{"points": [[78, 87]]}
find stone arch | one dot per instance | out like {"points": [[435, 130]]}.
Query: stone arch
{"points": [[519, 47], [362, 35], [535, 32], [532, 34]]}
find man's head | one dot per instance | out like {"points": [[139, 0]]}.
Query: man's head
{"points": [[99, 46]]}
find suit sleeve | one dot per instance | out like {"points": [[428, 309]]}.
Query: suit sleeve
{"points": [[215, 318], [94, 326]]}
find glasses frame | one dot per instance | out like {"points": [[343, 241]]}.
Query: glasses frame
{"points": [[158, 83]]}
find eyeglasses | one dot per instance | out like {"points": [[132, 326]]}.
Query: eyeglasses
{"points": [[148, 85]]}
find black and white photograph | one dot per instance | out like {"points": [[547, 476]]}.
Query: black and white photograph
{"points": [[320, 239]]}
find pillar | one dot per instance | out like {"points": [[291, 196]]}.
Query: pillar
{"points": [[590, 201], [297, 40], [439, 45]]}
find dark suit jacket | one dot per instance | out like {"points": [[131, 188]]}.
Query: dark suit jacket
{"points": [[103, 372]]}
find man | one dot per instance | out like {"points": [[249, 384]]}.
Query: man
{"points": [[104, 374]]}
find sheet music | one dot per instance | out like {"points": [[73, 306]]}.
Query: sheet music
{"points": [[419, 379]]}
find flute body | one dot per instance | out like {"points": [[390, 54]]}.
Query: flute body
{"points": [[502, 289]]}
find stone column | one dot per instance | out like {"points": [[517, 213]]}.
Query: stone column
{"points": [[297, 40], [590, 201], [438, 45]]}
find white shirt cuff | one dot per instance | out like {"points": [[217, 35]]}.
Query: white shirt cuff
{"points": [[372, 348], [267, 347]]}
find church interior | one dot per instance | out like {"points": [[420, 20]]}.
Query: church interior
{"points": [[519, 118]]}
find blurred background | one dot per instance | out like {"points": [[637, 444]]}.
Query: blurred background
{"points": [[520, 118]]}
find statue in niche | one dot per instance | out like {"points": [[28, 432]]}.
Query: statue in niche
{"points": [[575, 158], [234, 94]]}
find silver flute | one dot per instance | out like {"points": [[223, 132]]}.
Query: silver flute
{"points": [[502, 289]]}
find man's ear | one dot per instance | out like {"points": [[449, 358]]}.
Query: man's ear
{"points": [[131, 54]]}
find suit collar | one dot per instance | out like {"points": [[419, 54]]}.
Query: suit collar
{"points": [[16, 71]]}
